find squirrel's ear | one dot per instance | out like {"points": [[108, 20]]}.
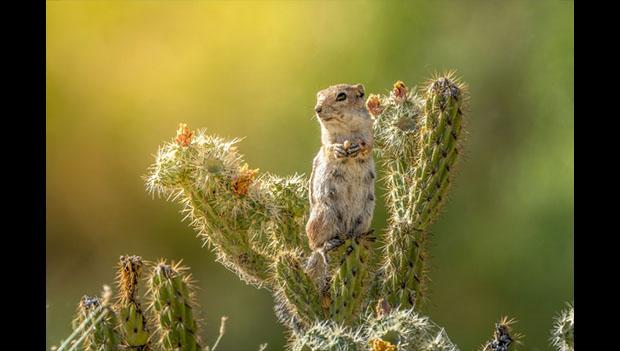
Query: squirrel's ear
{"points": [[360, 90]]}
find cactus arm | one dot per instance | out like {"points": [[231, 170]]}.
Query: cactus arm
{"points": [[297, 290], [417, 141], [133, 322], [102, 333], [350, 283], [244, 218], [84, 323], [92, 327], [233, 248], [173, 306]]}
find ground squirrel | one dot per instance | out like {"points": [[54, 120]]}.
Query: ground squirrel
{"points": [[342, 183]]}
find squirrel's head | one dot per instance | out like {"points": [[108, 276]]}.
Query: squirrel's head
{"points": [[342, 105]]}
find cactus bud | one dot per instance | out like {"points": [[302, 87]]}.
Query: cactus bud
{"points": [[399, 92], [381, 345], [373, 104], [184, 135]]}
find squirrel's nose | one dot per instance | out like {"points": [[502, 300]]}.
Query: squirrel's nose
{"points": [[318, 109]]}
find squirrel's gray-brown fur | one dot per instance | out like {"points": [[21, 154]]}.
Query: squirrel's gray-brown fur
{"points": [[342, 183]]}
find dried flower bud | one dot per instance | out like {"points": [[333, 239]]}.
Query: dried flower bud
{"points": [[128, 276], [373, 104], [399, 93], [381, 345], [241, 183], [184, 135]]}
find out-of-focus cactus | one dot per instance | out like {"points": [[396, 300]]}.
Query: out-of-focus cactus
{"points": [[255, 222], [103, 326], [96, 314], [563, 332]]}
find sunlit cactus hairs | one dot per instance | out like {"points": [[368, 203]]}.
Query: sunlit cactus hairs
{"points": [[563, 332]]}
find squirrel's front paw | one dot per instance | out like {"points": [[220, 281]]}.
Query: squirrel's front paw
{"points": [[339, 151], [355, 149]]}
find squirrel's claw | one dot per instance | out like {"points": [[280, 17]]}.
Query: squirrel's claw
{"points": [[339, 151], [332, 244], [354, 150]]}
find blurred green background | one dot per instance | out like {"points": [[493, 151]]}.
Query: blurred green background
{"points": [[122, 75]]}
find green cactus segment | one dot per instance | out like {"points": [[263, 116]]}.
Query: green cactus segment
{"points": [[133, 327], [246, 219], [101, 330], [133, 323], [350, 284], [405, 285], [417, 140], [173, 306], [291, 211], [228, 238], [297, 289], [563, 332], [438, 151]]}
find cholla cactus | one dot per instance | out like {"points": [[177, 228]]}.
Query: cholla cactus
{"points": [[254, 222], [563, 332]]}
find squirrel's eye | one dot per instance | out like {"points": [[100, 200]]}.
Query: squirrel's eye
{"points": [[341, 97]]}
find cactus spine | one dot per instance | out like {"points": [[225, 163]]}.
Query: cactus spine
{"points": [[173, 307]]}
